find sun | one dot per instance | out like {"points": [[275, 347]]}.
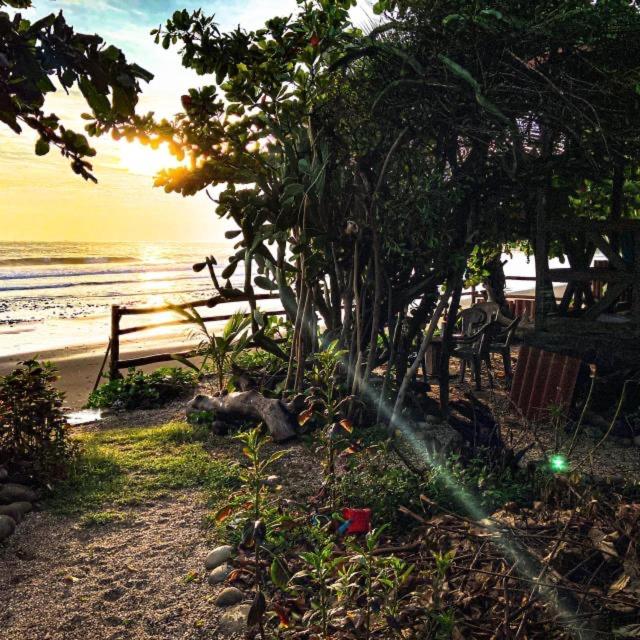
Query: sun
{"points": [[143, 160]]}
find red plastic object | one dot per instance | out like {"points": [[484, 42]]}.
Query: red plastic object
{"points": [[359, 520]]}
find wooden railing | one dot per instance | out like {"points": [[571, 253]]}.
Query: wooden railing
{"points": [[118, 313], [116, 364]]}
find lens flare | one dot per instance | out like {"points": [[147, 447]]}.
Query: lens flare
{"points": [[558, 463]]}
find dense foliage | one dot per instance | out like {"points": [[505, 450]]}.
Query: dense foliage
{"points": [[33, 428], [365, 171], [140, 390], [36, 56]]}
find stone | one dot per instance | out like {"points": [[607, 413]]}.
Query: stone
{"points": [[271, 481], [15, 510], [7, 527], [218, 556], [219, 574], [636, 441], [228, 597], [234, 621], [4, 474], [10, 492]]}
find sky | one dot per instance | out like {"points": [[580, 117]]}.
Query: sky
{"points": [[41, 199]]}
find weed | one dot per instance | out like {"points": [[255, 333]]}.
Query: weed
{"points": [[33, 428], [139, 390]]}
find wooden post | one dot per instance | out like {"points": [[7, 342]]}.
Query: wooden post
{"points": [[114, 371], [473, 294]]}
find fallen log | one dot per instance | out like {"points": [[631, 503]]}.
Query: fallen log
{"points": [[276, 415]]}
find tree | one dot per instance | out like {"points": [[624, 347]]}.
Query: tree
{"points": [[34, 56]]}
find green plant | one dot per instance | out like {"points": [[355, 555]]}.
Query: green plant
{"points": [[33, 427], [363, 577], [320, 570], [255, 477], [219, 351], [140, 390]]}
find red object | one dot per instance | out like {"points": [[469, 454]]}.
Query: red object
{"points": [[359, 520], [543, 379], [314, 41]]}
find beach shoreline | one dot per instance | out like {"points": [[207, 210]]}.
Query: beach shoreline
{"points": [[78, 366]]}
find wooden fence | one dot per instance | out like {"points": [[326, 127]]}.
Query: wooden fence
{"points": [[116, 364], [118, 313]]}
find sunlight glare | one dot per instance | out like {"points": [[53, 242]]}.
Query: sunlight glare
{"points": [[143, 160]]}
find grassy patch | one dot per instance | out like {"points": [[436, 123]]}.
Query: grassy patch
{"points": [[101, 518], [124, 467]]}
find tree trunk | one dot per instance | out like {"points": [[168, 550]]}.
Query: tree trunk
{"points": [[242, 405], [409, 375], [445, 351]]}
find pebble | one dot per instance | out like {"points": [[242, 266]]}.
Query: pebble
{"points": [[15, 510], [271, 481], [228, 597], [11, 492], [218, 556], [7, 527], [234, 621], [219, 574], [4, 474]]}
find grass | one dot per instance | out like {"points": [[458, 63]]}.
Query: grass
{"points": [[125, 467]]}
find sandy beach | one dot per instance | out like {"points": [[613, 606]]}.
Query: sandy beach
{"points": [[78, 366]]}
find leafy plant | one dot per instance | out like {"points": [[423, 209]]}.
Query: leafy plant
{"points": [[140, 390], [319, 576], [255, 476], [219, 351], [33, 427]]}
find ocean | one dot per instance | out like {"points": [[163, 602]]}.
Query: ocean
{"points": [[45, 285], [56, 295]]}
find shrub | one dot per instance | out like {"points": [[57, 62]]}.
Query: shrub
{"points": [[33, 428], [139, 390]]}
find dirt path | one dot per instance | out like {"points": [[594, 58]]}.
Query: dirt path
{"points": [[142, 578]]}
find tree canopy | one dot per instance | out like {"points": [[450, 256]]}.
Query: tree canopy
{"points": [[366, 170], [35, 56]]}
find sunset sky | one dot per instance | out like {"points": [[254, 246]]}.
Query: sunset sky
{"points": [[41, 199]]}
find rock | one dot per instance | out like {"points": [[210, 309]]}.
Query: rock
{"points": [[15, 510], [11, 492], [218, 556], [636, 441], [219, 574], [7, 527], [271, 481], [220, 428], [439, 437], [234, 621], [4, 474], [228, 597]]}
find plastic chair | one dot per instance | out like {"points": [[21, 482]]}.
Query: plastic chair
{"points": [[501, 343], [474, 350]]}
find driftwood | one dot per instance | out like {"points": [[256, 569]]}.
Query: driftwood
{"points": [[278, 416]]}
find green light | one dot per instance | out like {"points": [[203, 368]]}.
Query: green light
{"points": [[558, 463]]}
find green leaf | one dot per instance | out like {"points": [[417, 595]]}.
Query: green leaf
{"points": [[461, 72], [96, 100], [42, 147], [264, 283], [279, 573]]}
